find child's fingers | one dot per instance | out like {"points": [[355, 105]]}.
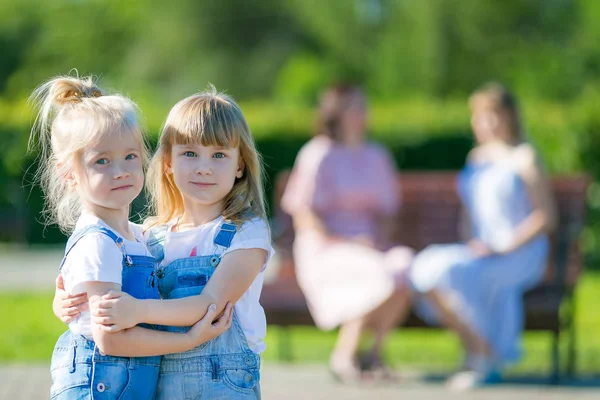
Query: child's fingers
{"points": [[111, 295], [225, 321], [209, 317], [228, 311], [230, 318], [103, 320], [62, 295], [73, 301], [106, 304], [100, 312], [212, 310], [71, 311]]}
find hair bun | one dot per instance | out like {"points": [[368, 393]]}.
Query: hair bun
{"points": [[69, 90]]}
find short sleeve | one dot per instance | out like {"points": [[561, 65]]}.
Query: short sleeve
{"points": [[253, 234], [94, 258], [310, 183], [389, 192]]}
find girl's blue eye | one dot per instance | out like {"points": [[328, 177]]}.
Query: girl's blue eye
{"points": [[130, 156], [219, 155], [189, 154], [102, 161]]}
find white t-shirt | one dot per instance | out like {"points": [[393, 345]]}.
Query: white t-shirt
{"points": [[199, 241], [96, 257]]}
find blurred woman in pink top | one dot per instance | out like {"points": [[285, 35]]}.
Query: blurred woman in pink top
{"points": [[342, 194]]}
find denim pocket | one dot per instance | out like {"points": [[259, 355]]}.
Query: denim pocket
{"points": [[241, 380], [69, 383], [69, 370], [191, 279], [182, 292]]}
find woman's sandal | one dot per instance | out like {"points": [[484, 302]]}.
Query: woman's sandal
{"points": [[374, 368]]}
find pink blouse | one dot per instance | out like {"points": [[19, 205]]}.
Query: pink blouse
{"points": [[347, 187]]}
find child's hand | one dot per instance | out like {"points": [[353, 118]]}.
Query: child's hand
{"points": [[205, 329], [65, 306], [115, 311]]}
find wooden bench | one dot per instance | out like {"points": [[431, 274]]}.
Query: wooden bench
{"points": [[430, 214]]}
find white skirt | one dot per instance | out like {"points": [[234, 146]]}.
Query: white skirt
{"points": [[344, 281]]}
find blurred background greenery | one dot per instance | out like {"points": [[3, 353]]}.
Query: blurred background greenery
{"points": [[418, 61]]}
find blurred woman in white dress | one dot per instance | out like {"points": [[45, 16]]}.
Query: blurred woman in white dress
{"points": [[476, 288]]}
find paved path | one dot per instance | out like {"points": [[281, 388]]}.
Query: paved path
{"points": [[295, 382], [36, 270]]}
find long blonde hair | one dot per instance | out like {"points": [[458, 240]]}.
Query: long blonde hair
{"points": [[74, 113], [211, 119]]}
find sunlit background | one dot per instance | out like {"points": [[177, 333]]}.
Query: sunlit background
{"points": [[418, 61]]}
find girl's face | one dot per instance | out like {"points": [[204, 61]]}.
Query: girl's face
{"points": [[354, 120], [205, 174], [109, 174]]}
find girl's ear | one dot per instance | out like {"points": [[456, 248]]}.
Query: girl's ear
{"points": [[67, 176], [240, 171], [168, 166]]}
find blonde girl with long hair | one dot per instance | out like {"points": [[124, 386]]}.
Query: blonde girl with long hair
{"points": [[92, 156], [213, 243]]}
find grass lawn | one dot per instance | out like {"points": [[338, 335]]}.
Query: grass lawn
{"points": [[31, 331]]}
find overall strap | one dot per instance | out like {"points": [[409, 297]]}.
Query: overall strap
{"points": [[92, 229], [156, 242], [225, 235], [222, 239]]}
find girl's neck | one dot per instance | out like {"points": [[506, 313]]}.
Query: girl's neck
{"points": [[116, 219], [198, 214]]}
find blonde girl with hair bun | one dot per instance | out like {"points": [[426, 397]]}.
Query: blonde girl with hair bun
{"points": [[92, 156], [212, 242]]}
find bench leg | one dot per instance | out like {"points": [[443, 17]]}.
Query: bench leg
{"points": [[555, 374], [285, 344]]}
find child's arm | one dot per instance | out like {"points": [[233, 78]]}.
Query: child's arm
{"points": [[231, 279], [137, 341], [234, 275]]}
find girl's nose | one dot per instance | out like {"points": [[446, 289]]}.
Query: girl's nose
{"points": [[203, 168], [121, 173]]}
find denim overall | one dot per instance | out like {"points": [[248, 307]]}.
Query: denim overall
{"points": [[78, 369], [222, 368]]}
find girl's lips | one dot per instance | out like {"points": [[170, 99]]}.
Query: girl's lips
{"points": [[202, 184], [124, 187]]}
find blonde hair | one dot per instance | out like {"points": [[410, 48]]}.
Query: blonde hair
{"points": [[74, 113], [211, 119], [496, 98]]}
